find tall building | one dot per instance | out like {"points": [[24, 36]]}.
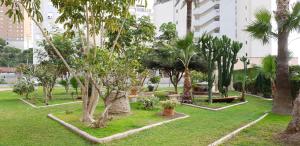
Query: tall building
{"points": [[50, 14], [218, 17], [17, 34]]}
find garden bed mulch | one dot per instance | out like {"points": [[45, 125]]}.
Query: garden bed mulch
{"points": [[213, 108], [45, 106], [120, 135]]}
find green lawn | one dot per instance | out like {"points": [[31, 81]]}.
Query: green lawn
{"points": [[22, 125], [263, 133], [137, 119], [59, 96]]}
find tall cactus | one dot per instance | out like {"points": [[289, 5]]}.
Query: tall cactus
{"points": [[207, 46], [246, 62], [226, 61]]}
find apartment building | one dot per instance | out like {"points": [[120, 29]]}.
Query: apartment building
{"points": [[219, 17], [17, 34]]}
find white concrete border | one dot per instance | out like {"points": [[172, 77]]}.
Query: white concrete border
{"points": [[45, 106], [5, 89], [259, 96], [235, 132], [214, 109], [112, 137]]}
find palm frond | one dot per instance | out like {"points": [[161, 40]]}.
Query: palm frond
{"points": [[261, 28], [269, 66], [293, 22], [186, 48]]}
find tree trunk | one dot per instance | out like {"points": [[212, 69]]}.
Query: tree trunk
{"points": [[93, 102], [119, 103], [45, 92], [294, 125], [282, 102], [86, 117], [189, 15], [187, 87], [291, 135]]}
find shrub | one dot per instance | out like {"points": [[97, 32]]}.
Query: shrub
{"points": [[161, 95], [155, 80], [295, 86], [148, 103], [238, 86], [74, 84], [65, 84], [23, 87], [198, 77], [169, 104]]}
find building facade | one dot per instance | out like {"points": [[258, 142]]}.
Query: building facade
{"points": [[16, 34], [220, 17]]}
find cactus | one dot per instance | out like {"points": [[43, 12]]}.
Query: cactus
{"points": [[226, 62], [246, 62], [207, 46]]}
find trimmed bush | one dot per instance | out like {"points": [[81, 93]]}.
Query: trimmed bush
{"points": [[148, 103]]}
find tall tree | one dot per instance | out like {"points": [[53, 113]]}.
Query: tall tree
{"points": [[261, 28], [88, 18], [189, 12], [186, 51]]}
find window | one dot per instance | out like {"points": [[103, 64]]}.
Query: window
{"points": [[50, 15]]}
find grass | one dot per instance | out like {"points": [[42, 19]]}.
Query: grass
{"points": [[22, 125], [59, 96], [263, 133], [138, 118]]}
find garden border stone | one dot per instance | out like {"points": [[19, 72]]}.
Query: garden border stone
{"points": [[235, 132], [52, 105], [258, 96], [114, 136], [215, 109]]}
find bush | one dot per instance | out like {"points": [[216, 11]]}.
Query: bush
{"points": [[238, 86], [155, 80], [295, 86], [162, 95], [295, 80], [148, 103], [169, 104], [198, 77], [23, 87], [74, 84]]}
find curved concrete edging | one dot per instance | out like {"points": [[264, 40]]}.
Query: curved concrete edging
{"points": [[235, 132], [112, 137], [34, 106], [214, 109], [256, 96]]}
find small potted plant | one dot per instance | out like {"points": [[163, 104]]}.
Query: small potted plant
{"points": [[169, 106], [154, 81]]}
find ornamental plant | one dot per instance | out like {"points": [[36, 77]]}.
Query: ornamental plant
{"points": [[169, 104], [148, 103]]}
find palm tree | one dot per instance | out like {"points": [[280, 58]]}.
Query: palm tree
{"points": [[189, 11], [269, 70], [261, 28], [186, 50]]}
